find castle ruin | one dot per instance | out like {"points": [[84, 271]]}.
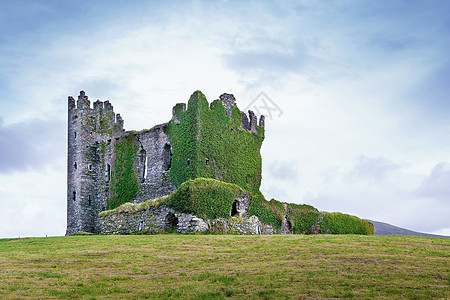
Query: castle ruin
{"points": [[108, 166]]}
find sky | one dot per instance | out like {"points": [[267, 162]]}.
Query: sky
{"points": [[355, 93]]}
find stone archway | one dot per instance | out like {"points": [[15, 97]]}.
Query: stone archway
{"points": [[239, 208], [234, 208], [171, 221]]}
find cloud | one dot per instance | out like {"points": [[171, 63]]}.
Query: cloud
{"points": [[30, 144], [437, 184], [283, 170], [430, 94], [373, 170], [275, 192], [272, 61]]}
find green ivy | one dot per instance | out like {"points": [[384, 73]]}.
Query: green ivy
{"points": [[205, 198], [267, 213], [124, 184], [208, 143], [302, 207], [302, 221], [369, 226], [338, 223]]}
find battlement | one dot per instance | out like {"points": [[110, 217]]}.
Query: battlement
{"points": [[98, 105], [228, 101], [83, 102], [108, 106], [102, 112], [119, 122], [250, 122], [179, 107]]}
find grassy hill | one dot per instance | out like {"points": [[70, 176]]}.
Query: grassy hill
{"points": [[382, 228], [221, 266]]}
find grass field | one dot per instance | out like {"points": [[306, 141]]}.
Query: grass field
{"points": [[222, 266]]}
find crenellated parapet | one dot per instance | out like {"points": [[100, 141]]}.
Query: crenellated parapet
{"points": [[228, 101], [250, 122], [100, 120], [83, 101], [119, 122], [262, 121], [247, 123], [98, 105]]}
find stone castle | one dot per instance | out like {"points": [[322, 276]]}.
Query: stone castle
{"points": [[108, 166]]}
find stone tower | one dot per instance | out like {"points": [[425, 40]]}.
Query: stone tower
{"points": [[88, 178]]}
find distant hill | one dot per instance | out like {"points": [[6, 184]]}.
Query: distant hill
{"points": [[388, 229]]}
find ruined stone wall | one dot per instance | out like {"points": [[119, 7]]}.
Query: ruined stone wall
{"points": [[161, 219], [151, 221], [153, 165]]}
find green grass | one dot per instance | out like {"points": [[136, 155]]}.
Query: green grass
{"points": [[225, 266]]}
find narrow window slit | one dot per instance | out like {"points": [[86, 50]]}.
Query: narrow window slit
{"points": [[167, 157], [108, 173]]}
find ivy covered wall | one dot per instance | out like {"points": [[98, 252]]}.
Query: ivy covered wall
{"points": [[124, 183], [208, 143]]}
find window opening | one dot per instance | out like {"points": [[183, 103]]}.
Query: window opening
{"points": [[167, 157], [75, 134], [143, 159], [108, 173], [145, 167], [188, 162], [75, 165], [74, 196], [89, 200], [90, 167]]}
